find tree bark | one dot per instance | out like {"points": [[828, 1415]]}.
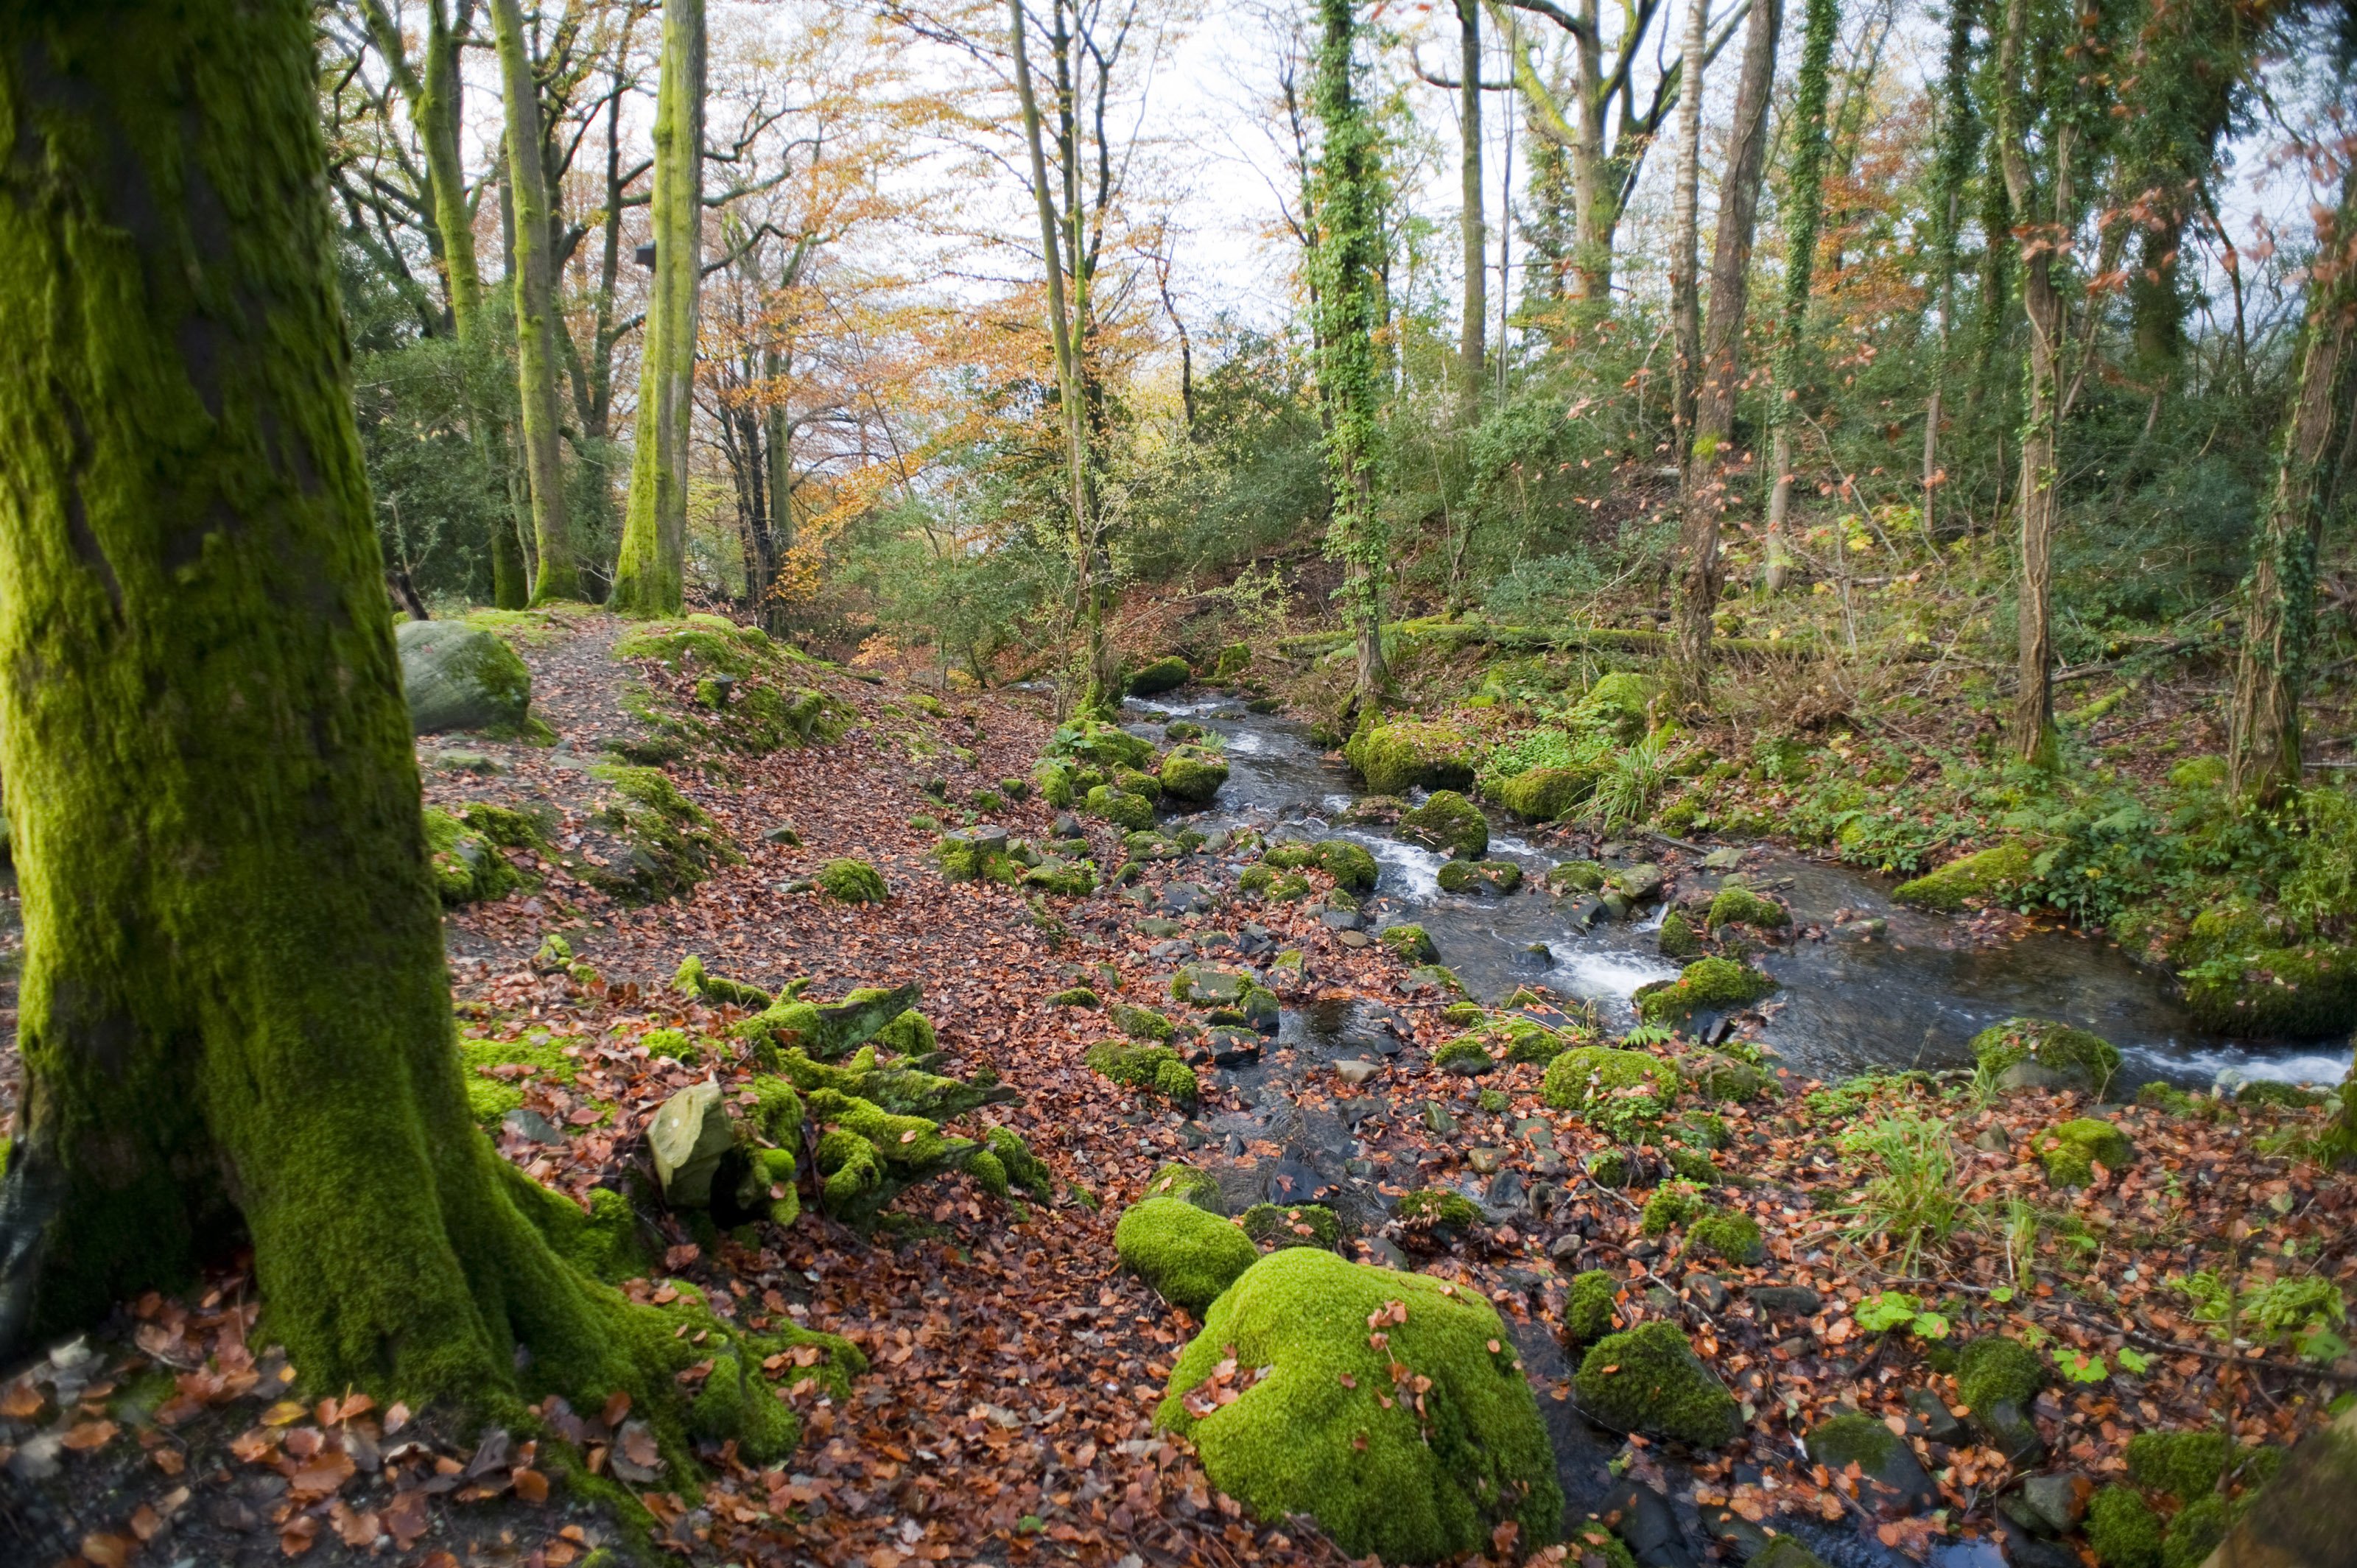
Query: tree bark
{"points": [[1472, 351], [1807, 193], [1959, 141], [1699, 520], [236, 1018], [649, 574], [1738, 218], [2263, 748], [536, 302], [2038, 498]]}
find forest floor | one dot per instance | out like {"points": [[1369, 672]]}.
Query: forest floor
{"points": [[1007, 1413]]}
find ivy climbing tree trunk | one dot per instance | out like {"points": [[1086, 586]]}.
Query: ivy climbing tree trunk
{"points": [[1739, 221], [1959, 144], [235, 1017], [1805, 192], [650, 572], [1348, 266], [2263, 749], [536, 307], [1472, 345]]}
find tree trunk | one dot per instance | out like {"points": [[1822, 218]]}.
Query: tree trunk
{"points": [[1698, 518], [2280, 595], [236, 1019], [648, 576], [1738, 217], [1807, 193], [1471, 345], [2038, 497], [535, 299], [1959, 143], [1349, 264]]}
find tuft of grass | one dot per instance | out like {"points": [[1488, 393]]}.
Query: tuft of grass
{"points": [[1627, 790], [1910, 1203]]}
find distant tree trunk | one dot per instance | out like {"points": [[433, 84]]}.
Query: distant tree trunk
{"points": [[236, 1021], [1471, 347], [2038, 497], [1959, 143], [1806, 193], [535, 298], [1738, 218], [1698, 520], [650, 572], [2280, 595], [1350, 260]]}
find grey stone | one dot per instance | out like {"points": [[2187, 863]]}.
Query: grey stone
{"points": [[1736, 1537], [1538, 1134], [1067, 826], [1382, 1254], [457, 676], [1185, 899], [1231, 1046], [2012, 1433], [1156, 925], [2029, 1074], [1725, 859], [1342, 921], [1794, 1300], [2053, 1501], [688, 1136], [1353, 939], [785, 832], [1638, 884], [1939, 1423], [1208, 985], [532, 1126], [1613, 906], [1881, 1456], [1485, 1161], [466, 762], [1565, 1250], [1506, 1193], [1437, 1118], [1992, 1141], [1644, 1521], [1356, 1073], [1707, 1289]]}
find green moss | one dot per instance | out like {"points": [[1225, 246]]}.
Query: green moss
{"points": [[673, 1044], [1621, 1093], [1721, 1077], [1348, 865], [2159, 1096], [1155, 1067], [852, 882], [1438, 1207], [1856, 1438], [1993, 1370], [1192, 774], [1649, 1380], [2072, 1150], [2305, 992], [1670, 1207], [1622, 700], [2199, 773], [826, 1032], [1064, 878], [2196, 1531], [1288, 889], [1324, 1431], [907, 1033], [1710, 984], [1575, 876], [1499, 876], [2125, 1532], [1077, 996], [1465, 1054], [1677, 939], [1255, 879], [2089, 1059], [1165, 674], [1593, 1542], [1302, 1224], [1448, 821], [1992, 875], [1101, 743], [1135, 782], [1289, 856], [1177, 1083], [1140, 1023], [2185, 1464], [1409, 942], [1135, 812], [692, 978], [489, 1101], [1189, 1185], [1395, 758], [674, 844], [1725, 1234], [709, 642], [468, 866], [1589, 1315], [1188, 1256], [1740, 905], [1546, 794]]}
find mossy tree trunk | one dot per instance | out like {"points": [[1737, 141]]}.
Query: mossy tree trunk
{"points": [[1472, 332], [649, 573], [435, 88], [1959, 138], [535, 305], [235, 1017], [1697, 517], [2263, 749], [1349, 261], [1806, 193]]}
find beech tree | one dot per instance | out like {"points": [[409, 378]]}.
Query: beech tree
{"points": [[235, 1015]]}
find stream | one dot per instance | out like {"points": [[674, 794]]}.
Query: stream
{"points": [[1911, 996]]}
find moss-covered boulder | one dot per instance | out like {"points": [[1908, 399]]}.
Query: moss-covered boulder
{"points": [[1233, 661], [1135, 812], [1706, 985], [1448, 821], [1166, 673], [2185, 1464], [2067, 1057], [1100, 744], [1622, 702], [2296, 992], [1411, 942], [1886, 1464], [1721, 1076], [852, 882], [1546, 794], [2071, 1151], [1620, 1092], [1193, 774], [468, 866], [1396, 758], [1998, 1378], [2123, 1528], [1388, 1406], [1188, 1256], [1145, 1067], [1294, 1225], [1990, 876], [1676, 938], [673, 843], [1350, 865], [1591, 1313], [1650, 1380], [1479, 876], [461, 677], [1190, 1185], [1738, 905]]}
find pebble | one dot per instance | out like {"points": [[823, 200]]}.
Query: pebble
{"points": [[1356, 1073], [1486, 1161]]}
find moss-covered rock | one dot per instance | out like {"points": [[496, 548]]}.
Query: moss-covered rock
{"points": [[1135, 782], [2303, 992], [1622, 702], [1719, 1076], [2185, 1464], [693, 979], [2071, 1151], [1546, 794], [1192, 774], [1140, 1023], [1064, 878], [672, 843], [826, 1032], [852, 882], [1620, 1092], [1348, 865], [1998, 1378], [1575, 876], [1410, 942], [1650, 1380], [1590, 1314], [1190, 1257], [1706, 985], [461, 677], [1992, 875], [1166, 673], [1396, 758], [468, 866], [1481, 877], [1298, 1225], [2123, 1528], [1738, 905], [1101, 744], [2195, 1532], [1448, 821], [2074, 1057], [1135, 812], [1189, 1186], [1466, 1054], [1883, 1458], [1677, 939], [1411, 1474], [1153, 1068]]}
